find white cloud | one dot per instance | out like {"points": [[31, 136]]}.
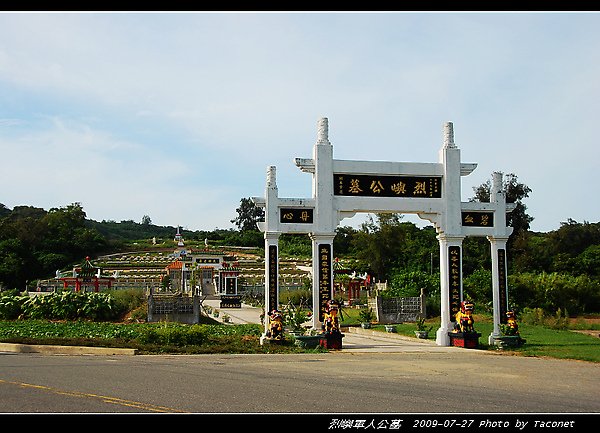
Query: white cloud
{"points": [[191, 108]]}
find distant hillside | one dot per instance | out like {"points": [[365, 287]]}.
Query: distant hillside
{"points": [[117, 233], [130, 230]]}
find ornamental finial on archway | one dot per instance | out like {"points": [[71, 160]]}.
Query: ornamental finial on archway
{"points": [[323, 131], [271, 176], [496, 183], [449, 135]]}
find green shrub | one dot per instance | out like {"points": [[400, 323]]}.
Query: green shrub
{"points": [[408, 283], [64, 305], [537, 316], [533, 316], [127, 300], [366, 315], [10, 305], [301, 297], [140, 314]]}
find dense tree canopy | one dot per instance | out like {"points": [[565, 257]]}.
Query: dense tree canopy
{"points": [[248, 215], [558, 269], [34, 242]]}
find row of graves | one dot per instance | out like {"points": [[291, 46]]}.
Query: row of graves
{"points": [[343, 188], [202, 272], [193, 275]]}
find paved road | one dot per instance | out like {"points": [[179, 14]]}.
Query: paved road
{"points": [[459, 380], [369, 375]]}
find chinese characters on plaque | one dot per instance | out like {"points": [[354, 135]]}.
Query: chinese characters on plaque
{"points": [[387, 186], [478, 219], [324, 278], [454, 280], [272, 284], [296, 215]]}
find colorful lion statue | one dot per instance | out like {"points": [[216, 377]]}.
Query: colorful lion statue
{"points": [[275, 325], [330, 320], [512, 327], [464, 318]]}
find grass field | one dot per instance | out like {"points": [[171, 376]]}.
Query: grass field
{"points": [[540, 340]]}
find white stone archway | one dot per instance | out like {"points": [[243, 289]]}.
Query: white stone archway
{"points": [[342, 188]]}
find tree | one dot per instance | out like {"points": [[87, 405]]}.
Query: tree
{"points": [[343, 241], [389, 243], [248, 215], [515, 193], [3, 210], [34, 243], [146, 221]]}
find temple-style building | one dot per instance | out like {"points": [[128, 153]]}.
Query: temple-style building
{"points": [[86, 277], [202, 272], [347, 284]]}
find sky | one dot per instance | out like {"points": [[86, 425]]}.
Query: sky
{"points": [[178, 115]]}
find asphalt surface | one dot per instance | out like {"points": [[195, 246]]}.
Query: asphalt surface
{"points": [[375, 372]]}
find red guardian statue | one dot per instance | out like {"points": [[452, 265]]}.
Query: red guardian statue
{"points": [[275, 325], [512, 327], [331, 321], [464, 318]]}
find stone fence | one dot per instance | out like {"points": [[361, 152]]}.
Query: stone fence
{"points": [[174, 308], [398, 310]]}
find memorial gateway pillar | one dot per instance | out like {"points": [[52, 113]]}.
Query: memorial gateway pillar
{"points": [[322, 284], [499, 285], [271, 273], [325, 223], [271, 235], [450, 284], [498, 240], [450, 236]]}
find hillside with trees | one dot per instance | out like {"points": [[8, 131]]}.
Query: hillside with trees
{"points": [[558, 270]]}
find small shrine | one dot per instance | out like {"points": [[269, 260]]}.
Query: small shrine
{"points": [[347, 284], [87, 278]]}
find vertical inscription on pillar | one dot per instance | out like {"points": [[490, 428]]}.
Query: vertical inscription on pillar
{"points": [[502, 286], [454, 282], [324, 278], [273, 278]]}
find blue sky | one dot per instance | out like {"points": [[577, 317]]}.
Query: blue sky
{"points": [[178, 115]]}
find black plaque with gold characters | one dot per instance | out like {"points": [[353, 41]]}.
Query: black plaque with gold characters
{"points": [[296, 215], [325, 282], [231, 301], [363, 185], [204, 260], [477, 219], [454, 280]]}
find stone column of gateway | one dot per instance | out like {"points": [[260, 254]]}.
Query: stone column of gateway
{"points": [[271, 235], [450, 237], [282, 215], [498, 241], [325, 223]]}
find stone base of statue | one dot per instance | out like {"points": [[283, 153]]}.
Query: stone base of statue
{"points": [[508, 341], [307, 341], [469, 340], [265, 339], [331, 340]]}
